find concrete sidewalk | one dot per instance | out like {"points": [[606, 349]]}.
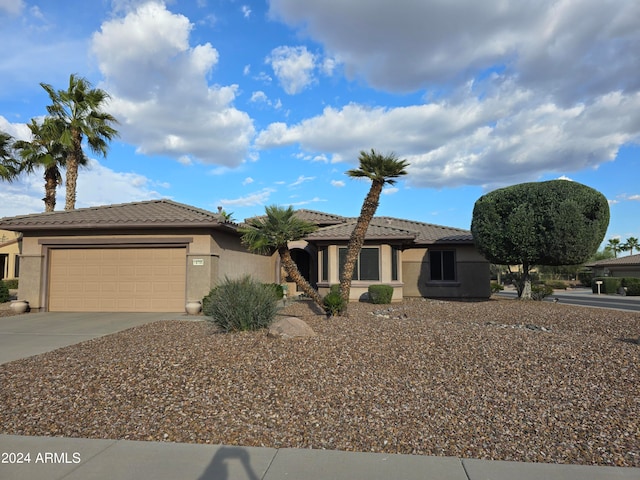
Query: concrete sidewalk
{"points": [[54, 458]]}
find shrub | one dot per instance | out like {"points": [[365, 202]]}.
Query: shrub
{"points": [[556, 284], [585, 278], [334, 288], [380, 293], [609, 284], [240, 304], [11, 283], [632, 286], [333, 303], [4, 292], [278, 290], [540, 291], [496, 287]]}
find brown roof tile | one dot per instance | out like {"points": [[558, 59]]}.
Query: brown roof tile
{"points": [[620, 261], [152, 213]]}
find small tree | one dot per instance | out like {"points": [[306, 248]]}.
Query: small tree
{"points": [[558, 222], [630, 245], [615, 246], [9, 166]]}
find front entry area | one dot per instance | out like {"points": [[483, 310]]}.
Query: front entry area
{"points": [[117, 279]]}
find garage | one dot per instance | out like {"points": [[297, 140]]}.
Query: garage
{"points": [[116, 279]]}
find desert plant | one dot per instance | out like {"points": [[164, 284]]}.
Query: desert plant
{"points": [[4, 292], [496, 287], [631, 285], [278, 290], [380, 293], [11, 284], [333, 303], [240, 304], [540, 291]]}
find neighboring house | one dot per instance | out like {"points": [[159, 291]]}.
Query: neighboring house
{"points": [[149, 256], [628, 266], [417, 259], [10, 245], [157, 255]]}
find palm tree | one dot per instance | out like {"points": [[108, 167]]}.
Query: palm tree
{"points": [[381, 170], [8, 165], [614, 246], [274, 232], [80, 109], [630, 244], [44, 150]]}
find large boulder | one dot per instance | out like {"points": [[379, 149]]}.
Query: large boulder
{"points": [[290, 327]]}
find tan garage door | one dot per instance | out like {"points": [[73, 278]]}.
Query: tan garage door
{"points": [[117, 280]]}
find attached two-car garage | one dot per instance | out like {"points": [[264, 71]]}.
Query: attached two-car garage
{"points": [[117, 279]]}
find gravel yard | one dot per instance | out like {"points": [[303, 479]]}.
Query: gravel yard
{"points": [[481, 380]]}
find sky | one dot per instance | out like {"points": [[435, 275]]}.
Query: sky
{"points": [[244, 104]]}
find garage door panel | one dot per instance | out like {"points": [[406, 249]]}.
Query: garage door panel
{"points": [[117, 279]]}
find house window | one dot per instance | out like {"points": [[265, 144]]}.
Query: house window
{"points": [[367, 265], [324, 264], [395, 255], [443, 265]]}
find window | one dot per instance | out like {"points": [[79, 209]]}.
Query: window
{"points": [[324, 264], [443, 265], [395, 255], [367, 265]]}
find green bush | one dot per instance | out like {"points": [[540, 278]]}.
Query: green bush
{"points": [[609, 284], [240, 304], [333, 303], [4, 292], [632, 286], [11, 283], [278, 290], [556, 284], [380, 293], [496, 287], [585, 278], [540, 291], [335, 288]]}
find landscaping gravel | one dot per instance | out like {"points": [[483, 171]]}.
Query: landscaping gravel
{"points": [[501, 380]]}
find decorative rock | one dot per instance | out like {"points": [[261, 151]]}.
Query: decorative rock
{"points": [[290, 327], [19, 306], [193, 307]]}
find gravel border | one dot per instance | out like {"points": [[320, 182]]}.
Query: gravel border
{"points": [[500, 380]]}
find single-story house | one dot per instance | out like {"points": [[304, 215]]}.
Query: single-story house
{"points": [[627, 266], [157, 255], [10, 245]]}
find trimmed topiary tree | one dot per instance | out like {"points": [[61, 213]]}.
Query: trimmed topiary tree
{"points": [[4, 292], [558, 222], [380, 293]]}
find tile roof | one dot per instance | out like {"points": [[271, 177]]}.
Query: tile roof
{"points": [[628, 260], [375, 231], [147, 214]]}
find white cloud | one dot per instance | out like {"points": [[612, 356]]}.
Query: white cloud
{"points": [[97, 185], [293, 66], [248, 181], [390, 190], [12, 7], [257, 198], [246, 70], [465, 140], [307, 202], [246, 11], [338, 183], [301, 179], [160, 92], [259, 96], [634, 198]]}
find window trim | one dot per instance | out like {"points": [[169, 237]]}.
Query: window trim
{"points": [[443, 266], [357, 273]]}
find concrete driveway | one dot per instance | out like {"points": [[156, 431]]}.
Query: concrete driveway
{"points": [[23, 336]]}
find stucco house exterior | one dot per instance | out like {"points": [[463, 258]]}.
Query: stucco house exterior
{"points": [[10, 246], [157, 255], [627, 266]]}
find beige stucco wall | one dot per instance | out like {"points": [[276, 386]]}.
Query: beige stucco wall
{"points": [[9, 246], [472, 270], [210, 256]]}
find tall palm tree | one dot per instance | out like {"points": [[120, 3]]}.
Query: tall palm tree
{"points": [[381, 170], [45, 151], [614, 245], [631, 244], [9, 166], [274, 232], [80, 109]]}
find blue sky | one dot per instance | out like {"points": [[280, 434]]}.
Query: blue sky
{"points": [[243, 104]]}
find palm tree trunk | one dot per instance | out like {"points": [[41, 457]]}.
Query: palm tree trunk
{"points": [[72, 169], [356, 240], [292, 270], [50, 186]]}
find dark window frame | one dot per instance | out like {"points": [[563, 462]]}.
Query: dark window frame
{"points": [[442, 265], [358, 272]]}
